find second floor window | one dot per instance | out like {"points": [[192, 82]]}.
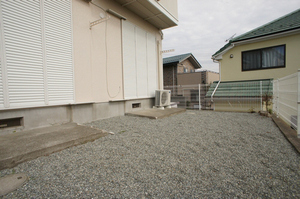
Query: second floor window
{"points": [[265, 58]]}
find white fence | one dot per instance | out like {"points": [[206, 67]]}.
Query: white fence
{"points": [[245, 96], [286, 99]]}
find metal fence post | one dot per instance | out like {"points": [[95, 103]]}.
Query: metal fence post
{"points": [[261, 105], [199, 96], [298, 104]]}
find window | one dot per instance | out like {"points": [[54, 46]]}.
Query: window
{"points": [[272, 57]]}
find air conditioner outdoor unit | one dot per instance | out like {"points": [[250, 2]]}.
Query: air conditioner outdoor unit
{"points": [[162, 98]]}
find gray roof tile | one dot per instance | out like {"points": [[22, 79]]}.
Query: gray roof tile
{"points": [[177, 58]]}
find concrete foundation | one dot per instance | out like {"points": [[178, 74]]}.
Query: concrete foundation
{"points": [[38, 117]]}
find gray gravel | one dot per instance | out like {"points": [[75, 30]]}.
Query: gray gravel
{"points": [[196, 154]]}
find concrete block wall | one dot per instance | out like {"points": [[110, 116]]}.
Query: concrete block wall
{"points": [[38, 117], [170, 75]]}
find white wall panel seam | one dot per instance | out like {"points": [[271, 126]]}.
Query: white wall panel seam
{"points": [[122, 56], [135, 44], [72, 53], [44, 53], [147, 63]]}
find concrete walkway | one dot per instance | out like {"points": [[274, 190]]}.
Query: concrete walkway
{"points": [[27, 145], [157, 113]]}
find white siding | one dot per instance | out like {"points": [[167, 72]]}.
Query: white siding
{"points": [[139, 62], [37, 39], [58, 43]]}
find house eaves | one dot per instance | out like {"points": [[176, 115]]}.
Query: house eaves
{"points": [[218, 55], [151, 11]]}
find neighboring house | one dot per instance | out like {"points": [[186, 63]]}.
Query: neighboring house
{"points": [[198, 77], [179, 64], [268, 52], [183, 79], [79, 60]]}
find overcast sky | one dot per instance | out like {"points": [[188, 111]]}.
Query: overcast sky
{"points": [[204, 25]]}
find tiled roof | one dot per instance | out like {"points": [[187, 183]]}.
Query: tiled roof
{"points": [[177, 58], [251, 88], [180, 58], [288, 22]]}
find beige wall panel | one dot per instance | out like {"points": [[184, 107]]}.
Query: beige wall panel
{"points": [[94, 80], [212, 77], [82, 52], [189, 78], [231, 68]]}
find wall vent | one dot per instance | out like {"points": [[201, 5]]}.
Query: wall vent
{"points": [[11, 122], [136, 105]]}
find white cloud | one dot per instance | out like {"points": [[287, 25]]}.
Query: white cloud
{"points": [[205, 25]]}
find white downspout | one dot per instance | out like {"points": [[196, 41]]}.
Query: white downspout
{"points": [[212, 95]]}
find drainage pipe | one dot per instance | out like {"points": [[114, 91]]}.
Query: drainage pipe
{"points": [[212, 95]]}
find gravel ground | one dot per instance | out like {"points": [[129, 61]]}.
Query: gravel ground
{"points": [[196, 154]]}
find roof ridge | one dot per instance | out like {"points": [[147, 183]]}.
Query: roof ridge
{"points": [[187, 55], [179, 55]]}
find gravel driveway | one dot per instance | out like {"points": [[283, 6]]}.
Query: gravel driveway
{"points": [[196, 154]]}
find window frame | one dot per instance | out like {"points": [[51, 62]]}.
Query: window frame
{"points": [[261, 60]]}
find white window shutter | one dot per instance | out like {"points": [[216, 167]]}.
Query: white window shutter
{"points": [[58, 46], [37, 49], [139, 62], [152, 65], [23, 48], [129, 62], [1, 82]]}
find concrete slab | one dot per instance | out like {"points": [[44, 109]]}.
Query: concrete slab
{"points": [[157, 113], [12, 182], [27, 145], [289, 133]]}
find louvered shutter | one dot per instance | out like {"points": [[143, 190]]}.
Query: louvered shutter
{"points": [[37, 48], [152, 65], [1, 82], [139, 62], [129, 63], [24, 52], [58, 45]]}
